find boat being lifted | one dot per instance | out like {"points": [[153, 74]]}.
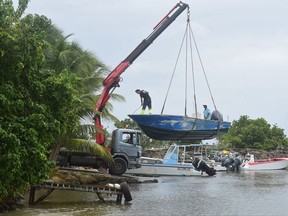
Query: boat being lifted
{"points": [[171, 127], [176, 127]]}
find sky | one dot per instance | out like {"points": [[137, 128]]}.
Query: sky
{"points": [[243, 47]]}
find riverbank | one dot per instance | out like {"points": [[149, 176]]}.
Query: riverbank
{"points": [[82, 176]]}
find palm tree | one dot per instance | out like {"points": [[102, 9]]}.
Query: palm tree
{"points": [[90, 72]]}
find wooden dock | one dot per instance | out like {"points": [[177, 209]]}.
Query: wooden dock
{"points": [[100, 191]]}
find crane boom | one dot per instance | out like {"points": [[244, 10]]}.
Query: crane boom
{"points": [[113, 79]]}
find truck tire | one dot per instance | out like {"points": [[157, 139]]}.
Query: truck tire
{"points": [[119, 167], [126, 192]]}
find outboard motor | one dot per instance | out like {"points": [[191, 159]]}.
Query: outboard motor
{"points": [[227, 162], [216, 116], [218, 159], [231, 164], [236, 164], [200, 165]]}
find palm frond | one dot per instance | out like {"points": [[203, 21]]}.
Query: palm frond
{"points": [[85, 131], [89, 147]]}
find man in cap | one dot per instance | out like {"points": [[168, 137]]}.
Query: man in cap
{"points": [[206, 112]]}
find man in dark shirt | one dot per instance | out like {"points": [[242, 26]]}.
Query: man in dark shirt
{"points": [[145, 100]]}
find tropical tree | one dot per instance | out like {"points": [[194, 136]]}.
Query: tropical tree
{"points": [[126, 123], [34, 102], [40, 104], [258, 134], [89, 71]]}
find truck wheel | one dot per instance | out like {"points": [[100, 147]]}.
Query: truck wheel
{"points": [[119, 167], [126, 192]]}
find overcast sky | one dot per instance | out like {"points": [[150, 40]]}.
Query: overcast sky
{"points": [[243, 47]]}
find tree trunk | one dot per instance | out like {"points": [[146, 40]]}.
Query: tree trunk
{"points": [[55, 151]]}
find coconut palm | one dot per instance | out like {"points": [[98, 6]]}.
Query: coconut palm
{"points": [[90, 72]]}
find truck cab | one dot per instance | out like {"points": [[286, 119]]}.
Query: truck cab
{"points": [[126, 150]]}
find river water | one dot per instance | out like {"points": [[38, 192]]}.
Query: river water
{"points": [[245, 193]]}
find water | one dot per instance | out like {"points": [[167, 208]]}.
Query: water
{"points": [[245, 193]]}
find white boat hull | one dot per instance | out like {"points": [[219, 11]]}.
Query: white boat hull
{"points": [[164, 170], [174, 163], [169, 170], [272, 164]]}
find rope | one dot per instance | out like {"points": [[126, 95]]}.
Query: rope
{"points": [[198, 53], [175, 66], [193, 73], [189, 38], [186, 69]]}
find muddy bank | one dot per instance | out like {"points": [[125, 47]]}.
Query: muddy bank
{"points": [[78, 176], [82, 176]]}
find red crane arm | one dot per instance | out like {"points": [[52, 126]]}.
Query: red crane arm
{"points": [[113, 79]]}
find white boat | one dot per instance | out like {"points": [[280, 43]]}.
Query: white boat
{"points": [[156, 170], [174, 163], [267, 164]]}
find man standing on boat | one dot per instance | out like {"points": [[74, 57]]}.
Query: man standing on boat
{"points": [[145, 100], [206, 112]]}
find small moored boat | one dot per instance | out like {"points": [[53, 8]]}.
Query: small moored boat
{"points": [[266, 164], [175, 163]]}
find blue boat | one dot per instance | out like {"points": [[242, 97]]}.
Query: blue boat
{"points": [[176, 127]]}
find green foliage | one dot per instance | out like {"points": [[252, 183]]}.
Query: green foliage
{"points": [[47, 85], [37, 105], [126, 123], [26, 124], [6, 14], [258, 134], [91, 147], [83, 65]]}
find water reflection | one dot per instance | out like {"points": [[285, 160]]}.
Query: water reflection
{"points": [[244, 193]]}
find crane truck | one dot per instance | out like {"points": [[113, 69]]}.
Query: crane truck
{"points": [[126, 154]]}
